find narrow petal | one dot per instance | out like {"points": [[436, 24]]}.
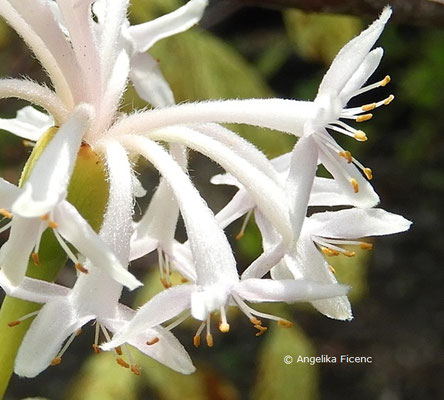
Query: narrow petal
{"points": [[238, 206], [14, 254], [149, 82], [356, 223], [8, 194], [211, 251], [286, 116], [180, 20], [352, 55], [327, 192], [268, 290], [162, 307], [361, 75], [51, 174], [29, 124], [52, 326], [35, 94], [76, 231]]}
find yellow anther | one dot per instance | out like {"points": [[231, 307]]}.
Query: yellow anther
{"points": [[118, 350], [355, 185], [35, 259], [122, 362], [368, 107], [261, 329], [368, 173], [255, 321], [360, 136], [364, 117], [388, 100], [330, 267], [196, 340], [96, 348], [165, 283], [329, 252], [239, 235], [53, 224], [385, 81], [152, 341], [135, 370], [184, 280], [5, 213], [209, 340], [13, 323], [285, 323], [224, 327], [366, 246], [56, 361], [44, 217], [349, 253], [81, 268], [347, 155]]}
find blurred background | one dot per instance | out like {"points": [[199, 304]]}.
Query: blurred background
{"points": [[240, 52]]}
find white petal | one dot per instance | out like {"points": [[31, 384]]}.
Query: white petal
{"points": [[327, 192], [238, 206], [54, 323], [29, 124], [51, 174], [149, 82], [267, 290], [14, 255], [364, 71], [167, 350], [211, 251], [148, 33], [8, 194], [162, 307], [356, 223], [76, 231], [286, 116], [33, 290], [352, 55]]}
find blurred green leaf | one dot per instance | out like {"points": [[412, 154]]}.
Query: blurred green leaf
{"points": [[277, 380], [320, 36]]}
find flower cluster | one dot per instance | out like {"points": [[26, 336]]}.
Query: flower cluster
{"points": [[90, 51]]}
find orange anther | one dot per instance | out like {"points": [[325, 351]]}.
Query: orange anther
{"points": [[13, 323], [56, 361], [152, 341], [196, 340], [36, 259], [284, 323], [122, 363], [81, 268]]}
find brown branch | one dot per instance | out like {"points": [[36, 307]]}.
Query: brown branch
{"points": [[416, 12]]}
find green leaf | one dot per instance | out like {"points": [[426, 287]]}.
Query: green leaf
{"points": [[319, 37], [277, 380]]}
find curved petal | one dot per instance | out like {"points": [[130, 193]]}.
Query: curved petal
{"points": [[352, 55], [162, 307], [211, 251], [50, 176], [356, 223], [149, 82], [148, 33], [53, 325], [8, 194], [29, 124], [327, 192], [267, 290]]}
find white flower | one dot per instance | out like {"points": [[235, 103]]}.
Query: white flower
{"points": [[94, 296]]}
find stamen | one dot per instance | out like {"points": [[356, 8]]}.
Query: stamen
{"points": [[55, 361], [360, 136], [346, 155], [67, 250], [58, 359], [96, 348], [178, 321], [53, 225], [329, 252], [349, 253], [366, 246], [81, 268], [5, 213], [122, 362], [261, 329], [35, 259], [196, 338], [388, 100], [95, 345], [44, 217], [368, 107], [224, 326], [285, 323], [364, 117], [368, 173], [209, 336], [118, 350], [152, 341], [355, 185], [244, 225], [385, 81], [381, 83], [330, 267], [25, 317], [164, 269], [135, 370]]}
